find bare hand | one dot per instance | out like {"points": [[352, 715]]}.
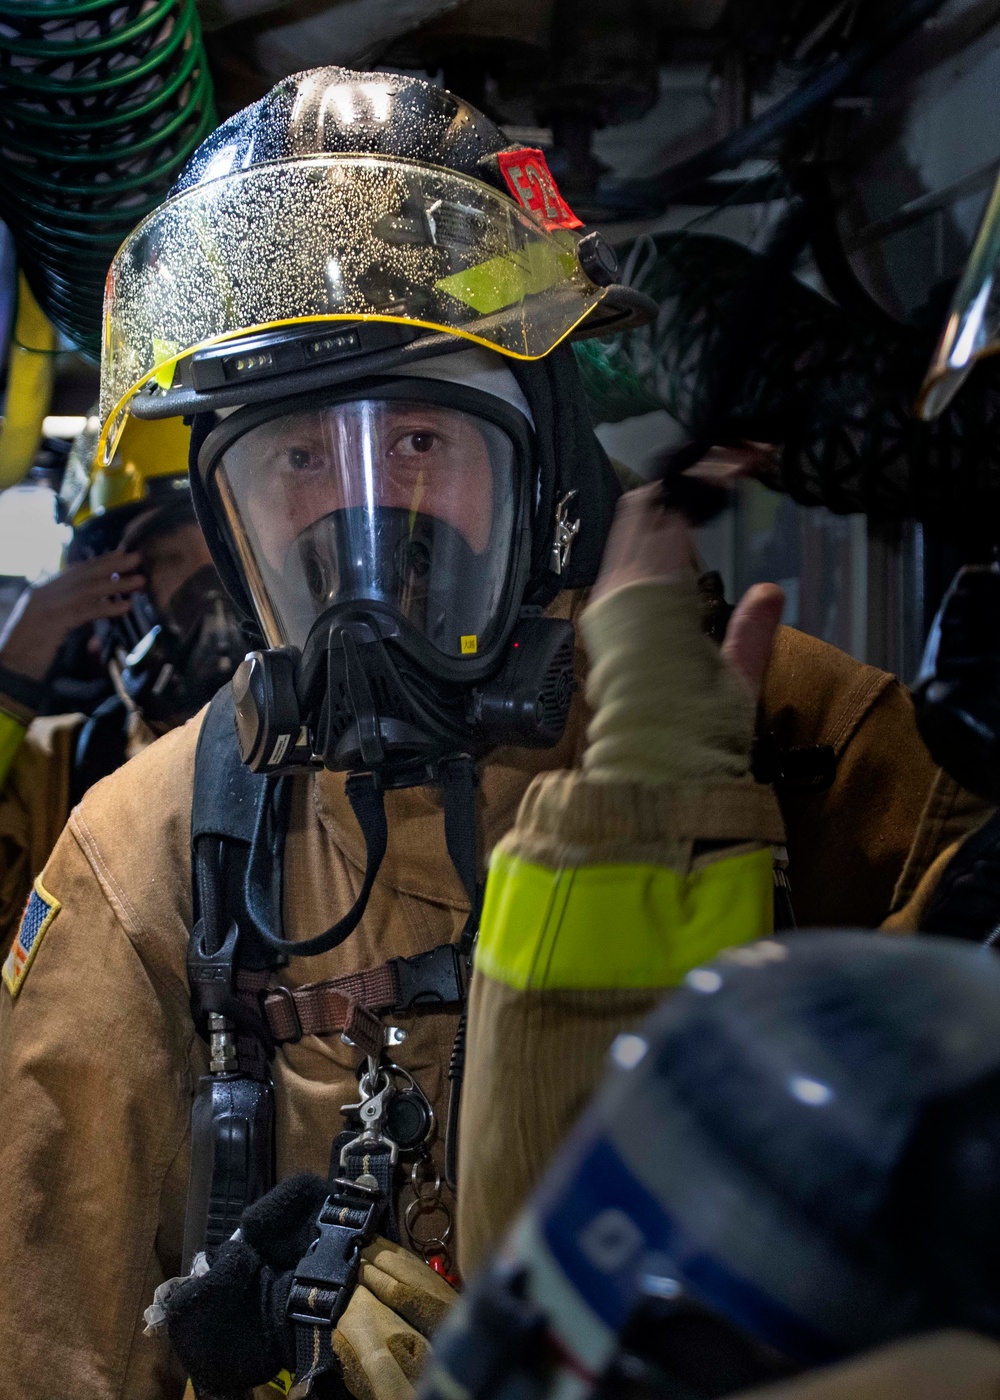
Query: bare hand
{"points": [[44, 616], [750, 634], [721, 466], [648, 542]]}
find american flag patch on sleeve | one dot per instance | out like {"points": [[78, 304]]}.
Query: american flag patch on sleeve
{"points": [[38, 915]]}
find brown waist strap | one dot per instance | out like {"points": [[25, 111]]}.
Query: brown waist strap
{"points": [[320, 1009], [347, 1005]]}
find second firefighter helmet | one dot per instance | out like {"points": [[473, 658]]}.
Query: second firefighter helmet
{"points": [[819, 1167], [181, 638], [797, 1160]]}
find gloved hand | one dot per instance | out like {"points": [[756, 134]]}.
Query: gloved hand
{"points": [[229, 1326], [381, 1339]]}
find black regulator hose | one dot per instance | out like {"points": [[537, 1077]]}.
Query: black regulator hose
{"points": [[456, 1076]]}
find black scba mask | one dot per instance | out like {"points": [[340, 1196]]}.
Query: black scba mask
{"points": [[171, 662], [384, 532]]}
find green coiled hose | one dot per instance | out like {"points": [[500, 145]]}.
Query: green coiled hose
{"points": [[101, 104]]}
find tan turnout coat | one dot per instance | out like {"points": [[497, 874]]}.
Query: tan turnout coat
{"points": [[98, 1055]]}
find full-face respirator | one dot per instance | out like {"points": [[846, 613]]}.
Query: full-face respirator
{"points": [[384, 532]]}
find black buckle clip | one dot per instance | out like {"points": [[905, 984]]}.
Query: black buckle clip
{"points": [[432, 978], [212, 984], [211, 976], [809, 769], [331, 1262]]}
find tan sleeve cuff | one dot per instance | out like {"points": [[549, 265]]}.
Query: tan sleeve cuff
{"points": [[569, 818], [667, 708], [539, 1054]]}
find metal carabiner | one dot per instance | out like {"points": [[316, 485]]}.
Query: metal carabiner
{"points": [[371, 1111]]}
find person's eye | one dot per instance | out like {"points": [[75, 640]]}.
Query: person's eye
{"points": [[415, 444], [300, 459]]}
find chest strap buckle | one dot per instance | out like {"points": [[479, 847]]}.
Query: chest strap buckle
{"points": [[347, 1005], [326, 1274], [436, 977]]}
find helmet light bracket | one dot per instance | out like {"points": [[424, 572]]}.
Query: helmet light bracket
{"points": [[278, 352]]}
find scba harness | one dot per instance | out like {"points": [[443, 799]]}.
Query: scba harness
{"points": [[239, 824]]}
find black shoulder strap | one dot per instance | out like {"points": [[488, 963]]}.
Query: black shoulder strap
{"points": [[226, 794], [232, 1117], [227, 801]]}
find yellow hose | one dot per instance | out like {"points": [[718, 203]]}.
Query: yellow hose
{"points": [[30, 372]]}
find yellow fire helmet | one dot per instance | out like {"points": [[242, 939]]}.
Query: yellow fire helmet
{"points": [[151, 459], [347, 223]]}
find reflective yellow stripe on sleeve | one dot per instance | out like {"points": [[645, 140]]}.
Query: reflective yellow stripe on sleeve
{"points": [[12, 734], [604, 926]]}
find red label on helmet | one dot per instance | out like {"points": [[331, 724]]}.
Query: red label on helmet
{"points": [[533, 185]]}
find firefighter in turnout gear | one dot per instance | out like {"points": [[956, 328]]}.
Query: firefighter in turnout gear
{"points": [[360, 295]]}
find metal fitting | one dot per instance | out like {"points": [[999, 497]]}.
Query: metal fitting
{"points": [[221, 1045]]}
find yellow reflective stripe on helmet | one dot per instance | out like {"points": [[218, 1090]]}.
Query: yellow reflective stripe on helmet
{"points": [[604, 926], [12, 734], [509, 279], [30, 370], [165, 355]]}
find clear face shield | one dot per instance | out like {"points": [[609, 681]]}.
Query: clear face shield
{"points": [[333, 238], [972, 330], [410, 505]]}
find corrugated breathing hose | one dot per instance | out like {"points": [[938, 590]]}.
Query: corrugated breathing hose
{"points": [[101, 103]]}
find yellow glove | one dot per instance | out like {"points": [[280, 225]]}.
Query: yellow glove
{"points": [[381, 1341]]}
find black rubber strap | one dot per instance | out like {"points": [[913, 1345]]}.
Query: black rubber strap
{"points": [[368, 803], [101, 747], [461, 831], [459, 780]]}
